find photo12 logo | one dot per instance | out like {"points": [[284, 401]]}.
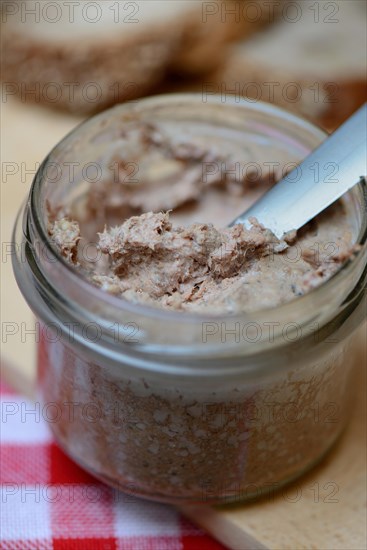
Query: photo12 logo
{"points": [[269, 11], [29, 11]]}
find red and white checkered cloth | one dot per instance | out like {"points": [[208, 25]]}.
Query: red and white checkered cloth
{"points": [[48, 502]]}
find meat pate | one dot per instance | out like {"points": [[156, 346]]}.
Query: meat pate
{"points": [[150, 251]]}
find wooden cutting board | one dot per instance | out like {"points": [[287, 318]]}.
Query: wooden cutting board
{"points": [[306, 514]]}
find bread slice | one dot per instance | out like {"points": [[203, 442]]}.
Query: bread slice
{"points": [[315, 66], [84, 56], [84, 64], [203, 45]]}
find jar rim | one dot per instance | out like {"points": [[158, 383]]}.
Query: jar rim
{"points": [[184, 317]]}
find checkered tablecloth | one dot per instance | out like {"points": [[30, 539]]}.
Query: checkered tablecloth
{"points": [[48, 502]]}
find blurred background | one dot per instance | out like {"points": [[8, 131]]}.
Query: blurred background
{"points": [[63, 61]]}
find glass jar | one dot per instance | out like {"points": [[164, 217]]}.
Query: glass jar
{"points": [[176, 406]]}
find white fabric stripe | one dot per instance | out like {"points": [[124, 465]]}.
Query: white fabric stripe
{"points": [[135, 518], [23, 422], [25, 514]]}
